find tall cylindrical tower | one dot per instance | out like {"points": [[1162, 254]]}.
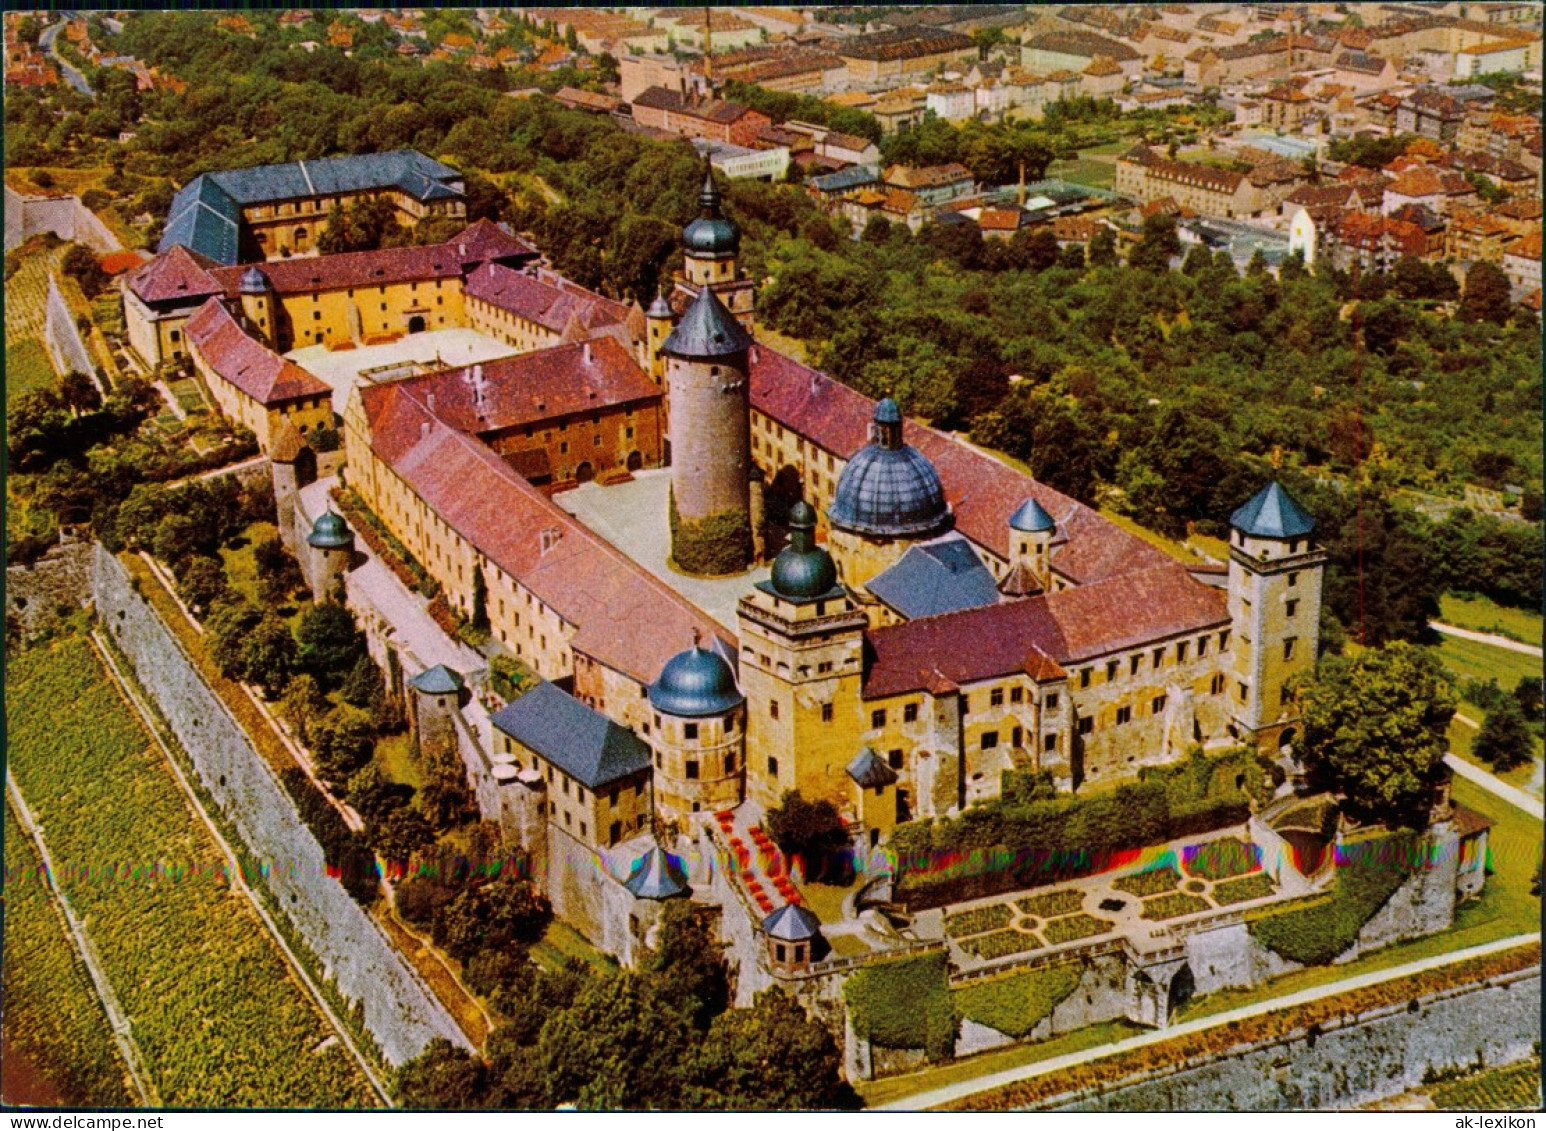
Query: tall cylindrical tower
{"points": [[709, 399], [698, 735]]}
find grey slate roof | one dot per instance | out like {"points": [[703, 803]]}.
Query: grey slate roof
{"points": [[853, 177], [869, 770], [1032, 518], [792, 923], [438, 680], [206, 215], [942, 577], [1272, 513], [707, 330], [584, 743], [656, 876]]}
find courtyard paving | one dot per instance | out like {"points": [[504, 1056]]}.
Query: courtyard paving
{"points": [[438, 349], [635, 518]]}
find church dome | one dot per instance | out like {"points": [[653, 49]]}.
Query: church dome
{"points": [[254, 282], [330, 532], [711, 234], [889, 489], [695, 683], [803, 571]]}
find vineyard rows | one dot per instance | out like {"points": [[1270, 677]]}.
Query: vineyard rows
{"points": [[218, 1018], [26, 294], [52, 1017]]}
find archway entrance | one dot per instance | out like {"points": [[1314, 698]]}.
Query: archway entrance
{"points": [[1286, 740], [584, 473], [416, 324], [635, 461]]}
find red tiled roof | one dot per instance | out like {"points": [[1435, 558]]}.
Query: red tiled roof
{"points": [[245, 362], [349, 269], [178, 274], [543, 385], [1421, 181], [982, 492], [580, 576], [1043, 634], [542, 297]]}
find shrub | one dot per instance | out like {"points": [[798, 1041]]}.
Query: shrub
{"points": [[1017, 1004], [977, 920], [1368, 874], [346, 855], [712, 546], [904, 1004]]}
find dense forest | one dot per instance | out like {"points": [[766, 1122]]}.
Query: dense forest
{"points": [[1163, 393]]}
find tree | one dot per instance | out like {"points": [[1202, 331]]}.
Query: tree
{"points": [[620, 1045], [363, 687], [1103, 248], [495, 916], [342, 741], [364, 226], [443, 1077], [80, 263], [178, 537], [1158, 245], [303, 704], [330, 642], [1375, 729], [203, 584], [691, 959], [268, 654], [1505, 740], [400, 833], [226, 633], [1486, 297], [809, 831], [773, 1056], [79, 392]]}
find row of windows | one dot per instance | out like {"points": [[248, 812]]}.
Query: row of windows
{"points": [[1135, 661]]}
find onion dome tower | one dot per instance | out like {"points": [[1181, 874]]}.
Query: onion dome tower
{"points": [[1030, 550], [711, 246], [698, 733], [707, 389], [802, 662], [888, 497], [1275, 575], [257, 298], [332, 552]]}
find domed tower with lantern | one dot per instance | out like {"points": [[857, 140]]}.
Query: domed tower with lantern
{"points": [[698, 735], [711, 246], [802, 664], [888, 497]]}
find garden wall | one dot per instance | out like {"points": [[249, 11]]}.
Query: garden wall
{"points": [[65, 216], [62, 338], [400, 1013], [1352, 1061]]}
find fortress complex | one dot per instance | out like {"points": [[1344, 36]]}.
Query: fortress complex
{"points": [[931, 618]]}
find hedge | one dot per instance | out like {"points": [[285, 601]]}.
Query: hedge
{"points": [[904, 1004], [713, 546], [343, 849], [1017, 1004], [1368, 874], [1026, 838]]}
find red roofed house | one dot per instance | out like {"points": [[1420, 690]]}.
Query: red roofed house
{"points": [[674, 112]]}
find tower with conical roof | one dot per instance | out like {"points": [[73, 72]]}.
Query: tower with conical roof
{"points": [[1275, 575], [257, 299], [711, 246], [1030, 547], [802, 664], [708, 390], [698, 734]]}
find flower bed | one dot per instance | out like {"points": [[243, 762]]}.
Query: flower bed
{"points": [[977, 920], [1064, 901], [1149, 883], [1074, 927], [1253, 886], [1000, 943], [1173, 905], [1221, 859]]}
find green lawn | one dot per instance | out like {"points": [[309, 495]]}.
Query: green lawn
{"points": [[1461, 737], [27, 367], [826, 900], [1470, 659], [241, 571], [1480, 614], [561, 942], [1083, 171], [394, 754]]}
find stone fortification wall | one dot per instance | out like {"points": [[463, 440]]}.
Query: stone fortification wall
{"points": [[64, 343], [1352, 1061], [34, 594], [400, 1013], [65, 216]]}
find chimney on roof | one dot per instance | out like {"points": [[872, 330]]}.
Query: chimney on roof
{"points": [[424, 430], [431, 400], [754, 355], [587, 353]]}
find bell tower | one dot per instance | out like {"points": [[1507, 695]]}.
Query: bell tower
{"points": [[711, 247], [1275, 576]]}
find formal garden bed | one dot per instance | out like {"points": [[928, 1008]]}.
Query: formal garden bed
{"points": [[1254, 886], [1148, 883], [1074, 927], [1001, 943], [1173, 906], [1048, 904], [978, 920]]}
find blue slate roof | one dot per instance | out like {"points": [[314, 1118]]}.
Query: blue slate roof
{"points": [[869, 770], [695, 684], [206, 215], [792, 923], [942, 577], [855, 176], [438, 680], [585, 744], [707, 330], [1032, 518], [655, 875], [1272, 513]]}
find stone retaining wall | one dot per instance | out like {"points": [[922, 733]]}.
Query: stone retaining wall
{"points": [[398, 1010]]}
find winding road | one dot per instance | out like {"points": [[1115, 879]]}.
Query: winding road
{"points": [[71, 75]]}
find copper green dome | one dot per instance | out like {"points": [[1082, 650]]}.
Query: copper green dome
{"points": [[712, 235], [804, 571], [330, 532], [695, 683], [889, 489]]}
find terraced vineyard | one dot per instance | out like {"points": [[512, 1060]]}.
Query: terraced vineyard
{"points": [[217, 1015], [53, 1020], [1515, 1087]]}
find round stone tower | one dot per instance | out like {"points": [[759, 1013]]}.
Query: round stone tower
{"points": [[332, 551], [698, 732], [709, 400]]}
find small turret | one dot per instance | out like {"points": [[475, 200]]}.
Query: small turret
{"points": [[332, 544], [257, 298], [1030, 549], [698, 732], [658, 320]]}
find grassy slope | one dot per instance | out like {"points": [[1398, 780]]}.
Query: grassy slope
{"points": [[52, 1016], [1471, 659], [1482, 615], [215, 1010]]}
